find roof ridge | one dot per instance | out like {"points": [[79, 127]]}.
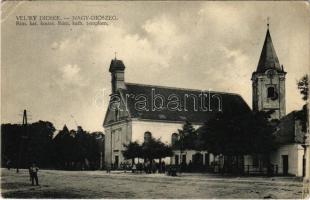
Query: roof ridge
{"points": [[179, 88]]}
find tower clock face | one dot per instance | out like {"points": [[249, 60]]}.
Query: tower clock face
{"points": [[270, 74]]}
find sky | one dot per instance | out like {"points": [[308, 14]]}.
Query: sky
{"points": [[60, 74]]}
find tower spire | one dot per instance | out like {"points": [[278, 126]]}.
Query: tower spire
{"points": [[268, 58]]}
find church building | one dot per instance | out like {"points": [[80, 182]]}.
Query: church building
{"points": [[137, 108]]}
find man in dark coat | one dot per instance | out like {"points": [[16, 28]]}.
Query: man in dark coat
{"points": [[33, 170]]}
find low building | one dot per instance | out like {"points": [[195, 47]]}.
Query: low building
{"points": [[290, 136]]}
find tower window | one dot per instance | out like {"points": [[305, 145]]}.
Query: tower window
{"points": [[270, 92]]}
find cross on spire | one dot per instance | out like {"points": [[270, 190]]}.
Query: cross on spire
{"points": [[115, 54], [267, 22]]}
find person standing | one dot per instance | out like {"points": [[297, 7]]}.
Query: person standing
{"points": [[33, 170], [109, 168], [8, 164], [134, 168]]}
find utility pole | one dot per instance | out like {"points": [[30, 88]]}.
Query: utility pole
{"points": [[306, 181], [24, 136]]}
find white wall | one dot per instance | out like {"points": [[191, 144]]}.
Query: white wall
{"points": [[295, 154], [124, 132], [161, 130], [121, 134]]}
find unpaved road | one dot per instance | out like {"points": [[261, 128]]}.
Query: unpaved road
{"points": [[99, 184]]}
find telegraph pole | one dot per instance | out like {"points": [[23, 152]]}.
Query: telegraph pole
{"points": [[24, 136], [306, 180]]}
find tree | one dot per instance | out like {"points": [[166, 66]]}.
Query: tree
{"points": [[155, 149], [237, 135], [149, 150], [303, 115], [132, 150], [303, 87], [29, 143], [78, 149], [39, 143], [188, 137], [64, 147], [24, 144], [96, 150]]}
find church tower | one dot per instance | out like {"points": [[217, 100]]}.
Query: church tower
{"points": [[268, 82], [117, 69]]}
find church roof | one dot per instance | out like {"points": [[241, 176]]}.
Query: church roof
{"points": [[116, 65], [190, 109], [268, 58]]}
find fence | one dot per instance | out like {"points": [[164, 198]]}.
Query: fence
{"points": [[247, 169]]}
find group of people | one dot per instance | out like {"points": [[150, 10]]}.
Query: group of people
{"points": [[148, 167]]}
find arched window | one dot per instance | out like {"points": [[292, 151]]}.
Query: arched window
{"points": [[270, 92], [147, 136]]}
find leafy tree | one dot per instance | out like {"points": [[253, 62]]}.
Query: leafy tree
{"points": [[303, 87], [149, 150], [96, 149], [188, 137], [238, 135], [132, 150], [39, 142], [23, 144], [29, 143], [64, 147], [10, 143], [163, 151], [78, 149], [303, 115], [155, 149]]}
